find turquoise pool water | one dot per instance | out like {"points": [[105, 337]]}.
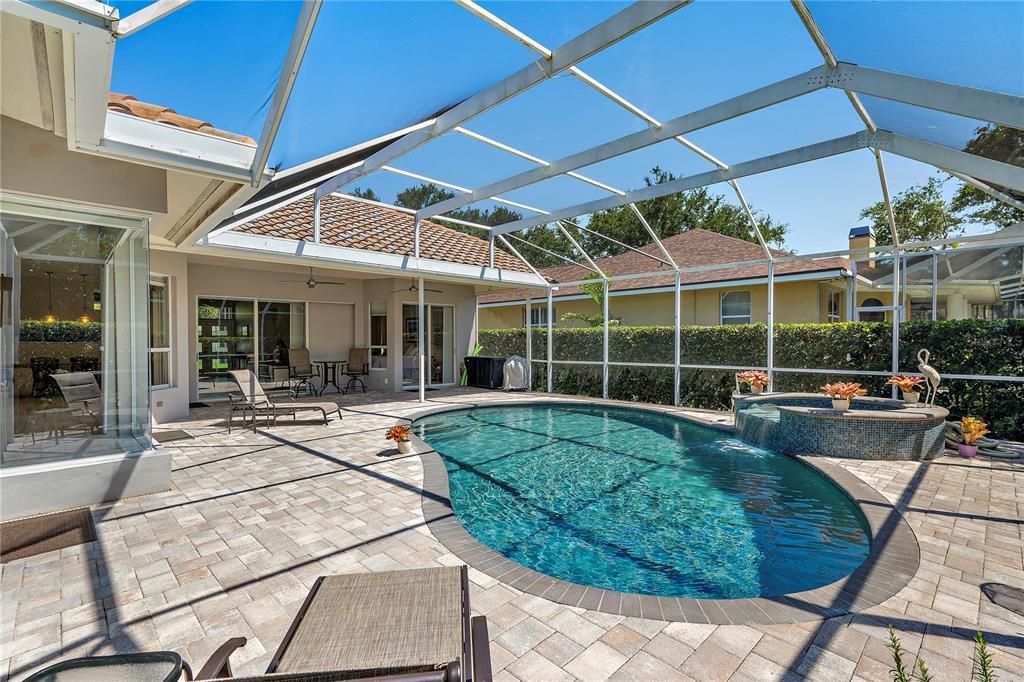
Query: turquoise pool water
{"points": [[640, 502]]}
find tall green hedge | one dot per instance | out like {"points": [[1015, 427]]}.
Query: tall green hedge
{"points": [[994, 347]]}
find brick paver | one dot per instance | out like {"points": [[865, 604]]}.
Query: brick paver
{"points": [[253, 519]]}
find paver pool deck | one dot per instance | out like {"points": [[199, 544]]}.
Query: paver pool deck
{"points": [[253, 519]]}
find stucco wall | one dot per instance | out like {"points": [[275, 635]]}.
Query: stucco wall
{"points": [[38, 162], [794, 302]]}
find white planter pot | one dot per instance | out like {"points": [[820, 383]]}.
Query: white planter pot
{"points": [[757, 390], [840, 405], [404, 447], [911, 397]]}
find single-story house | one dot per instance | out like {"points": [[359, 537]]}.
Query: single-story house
{"points": [[142, 254], [721, 287]]}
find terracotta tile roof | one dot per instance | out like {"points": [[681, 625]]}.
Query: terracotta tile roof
{"points": [[692, 248], [126, 104], [356, 224]]}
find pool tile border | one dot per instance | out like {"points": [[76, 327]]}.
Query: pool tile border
{"points": [[893, 560]]}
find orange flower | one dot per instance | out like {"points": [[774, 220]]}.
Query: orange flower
{"points": [[973, 429], [905, 383], [843, 390], [753, 377], [398, 432]]}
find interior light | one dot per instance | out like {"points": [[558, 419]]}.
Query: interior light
{"points": [[49, 316]]}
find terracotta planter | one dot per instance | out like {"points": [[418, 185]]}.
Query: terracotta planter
{"points": [[968, 450], [404, 447], [911, 397], [757, 390], [840, 404]]}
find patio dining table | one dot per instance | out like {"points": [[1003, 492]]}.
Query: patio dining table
{"points": [[329, 371]]}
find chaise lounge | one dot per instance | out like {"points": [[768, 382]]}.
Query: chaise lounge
{"points": [[395, 626], [255, 399]]}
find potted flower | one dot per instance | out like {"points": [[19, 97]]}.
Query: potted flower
{"points": [[972, 429], [908, 386], [400, 434], [841, 393], [756, 379]]}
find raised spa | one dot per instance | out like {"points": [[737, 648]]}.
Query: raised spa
{"points": [[642, 502], [874, 428]]}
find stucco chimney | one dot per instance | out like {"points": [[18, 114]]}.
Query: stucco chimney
{"points": [[862, 237]]}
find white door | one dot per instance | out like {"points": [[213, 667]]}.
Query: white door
{"points": [[8, 324]]}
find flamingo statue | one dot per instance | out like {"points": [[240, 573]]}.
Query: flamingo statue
{"points": [[930, 375]]}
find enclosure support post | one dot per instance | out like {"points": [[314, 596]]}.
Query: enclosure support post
{"points": [[675, 342], [604, 359], [771, 323], [897, 313], [935, 287], [529, 340], [316, 220], [550, 340], [851, 292], [416, 241], [421, 333]]}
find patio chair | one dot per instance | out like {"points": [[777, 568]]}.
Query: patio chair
{"points": [[42, 369], [253, 398], [82, 395], [395, 626], [302, 370], [357, 368]]}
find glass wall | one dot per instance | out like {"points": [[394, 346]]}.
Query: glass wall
{"points": [[73, 317], [225, 340], [246, 334], [440, 357]]}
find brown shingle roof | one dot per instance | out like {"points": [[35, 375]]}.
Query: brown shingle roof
{"points": [[126, 104], [692, 248], [356, 224]]}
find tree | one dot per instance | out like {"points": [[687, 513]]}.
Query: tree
{"points": [[367, 193], [974, 206], [995, 142], [596, 291], [673, 214], [427, 194], [921, 215]]}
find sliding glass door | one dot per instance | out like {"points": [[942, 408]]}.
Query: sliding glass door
{"points": [[440, 352], [246, 334]]}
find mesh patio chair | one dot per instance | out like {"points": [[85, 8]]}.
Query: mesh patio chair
{"points": [[302, 370], [82, 394], [358, 367], [252, 397]]}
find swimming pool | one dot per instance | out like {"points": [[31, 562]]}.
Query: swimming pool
{"points": [[641, 502]]}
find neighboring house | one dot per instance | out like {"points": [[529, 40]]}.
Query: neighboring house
{"points": [[942, 284], [804, 291]]}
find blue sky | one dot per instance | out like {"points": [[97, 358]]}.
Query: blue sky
{"points": [[373, 67]]}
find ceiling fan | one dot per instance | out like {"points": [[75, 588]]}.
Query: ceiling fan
{"points": [[413, 288], [312, 282]]}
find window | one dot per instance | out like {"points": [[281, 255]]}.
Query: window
{"points": [[736, 307], [378, 335], [159, 332], [835, 306], [538, 316], [869, 315]]}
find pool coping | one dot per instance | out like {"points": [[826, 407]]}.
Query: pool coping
{"points": [[891, 563]]}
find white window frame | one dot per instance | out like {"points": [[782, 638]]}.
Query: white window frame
{"points": [[369, 336], [836, 316], [154, 278], [735, 319], [538, 316]]}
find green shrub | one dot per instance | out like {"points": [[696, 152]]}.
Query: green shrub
{"points": [[61, 331], [992, 347]]}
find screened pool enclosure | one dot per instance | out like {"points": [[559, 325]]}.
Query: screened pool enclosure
{"points": [[888, 84]]}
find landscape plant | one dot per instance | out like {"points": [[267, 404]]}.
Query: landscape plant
{"points": [[982, 669], [985, 347]]}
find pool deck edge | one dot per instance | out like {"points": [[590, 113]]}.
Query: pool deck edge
{"points": [[893, 560]]}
